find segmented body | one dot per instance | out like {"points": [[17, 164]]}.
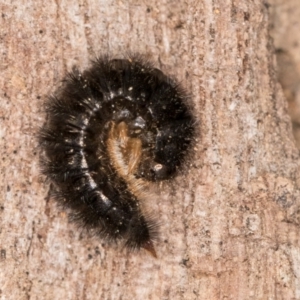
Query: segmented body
{"points": [[109, 130]]}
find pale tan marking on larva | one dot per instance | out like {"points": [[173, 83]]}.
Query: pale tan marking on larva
{"points": [[125, 154]]}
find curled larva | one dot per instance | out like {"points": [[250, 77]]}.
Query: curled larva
{"points": [[109, 130]]}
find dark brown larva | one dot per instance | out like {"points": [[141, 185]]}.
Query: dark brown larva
{"points": [[109, 130]]}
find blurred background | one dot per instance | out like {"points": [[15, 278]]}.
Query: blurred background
{"points": [[285, 30]]}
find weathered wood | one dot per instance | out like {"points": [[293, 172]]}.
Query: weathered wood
{"points": [[229, 228]]}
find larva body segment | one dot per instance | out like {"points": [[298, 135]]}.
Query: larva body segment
{"points": [[109, 130]]}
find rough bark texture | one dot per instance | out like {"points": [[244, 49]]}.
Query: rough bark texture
{"points": [[229, 228]]}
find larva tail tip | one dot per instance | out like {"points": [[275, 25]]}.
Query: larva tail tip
{"points": [[150, 248]]}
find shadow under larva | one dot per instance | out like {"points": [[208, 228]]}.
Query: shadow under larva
{"points": [[109, 131]]}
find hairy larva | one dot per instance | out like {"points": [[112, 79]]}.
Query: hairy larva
{"points": [[109, 131]]}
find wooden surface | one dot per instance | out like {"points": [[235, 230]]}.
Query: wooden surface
{"points": [[229, 227]]}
